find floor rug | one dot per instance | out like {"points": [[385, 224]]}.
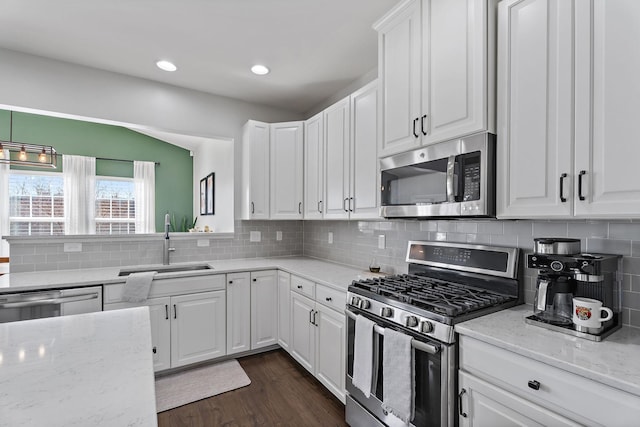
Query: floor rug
{"points": [[199, 383]]}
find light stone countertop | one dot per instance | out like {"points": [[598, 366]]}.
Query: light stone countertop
{"points": [[337, 276], [615, 361], [84, 370]]}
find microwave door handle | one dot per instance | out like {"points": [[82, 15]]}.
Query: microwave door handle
{"points": [[451, 188]]}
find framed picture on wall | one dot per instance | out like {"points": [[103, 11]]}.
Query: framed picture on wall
{"points": [[211, 193], [203, 196]]}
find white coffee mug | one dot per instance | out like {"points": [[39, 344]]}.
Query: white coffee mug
{"points": [[587, 312]]}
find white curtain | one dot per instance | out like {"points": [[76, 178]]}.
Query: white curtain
{"points": [[144, 180], [4, 205], [79, 194]]}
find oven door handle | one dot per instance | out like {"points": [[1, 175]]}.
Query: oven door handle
{"points": [[418, 345]]}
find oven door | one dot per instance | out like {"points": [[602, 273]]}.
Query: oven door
{"points": [[433, 380]]}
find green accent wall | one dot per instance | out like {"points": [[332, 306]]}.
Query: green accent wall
{"points": [[174, 174]]}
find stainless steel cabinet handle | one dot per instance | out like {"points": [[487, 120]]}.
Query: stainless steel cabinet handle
{"points": [[320, 206], [344, 205], [300, 207], [314, 318], [310, 315], [535, 385], [166, 312], [414, 127], [562, 198], [253, 210], [580, 175], [175, 312], [422, 125], [351, 200], [462, 414], [49, 301]]}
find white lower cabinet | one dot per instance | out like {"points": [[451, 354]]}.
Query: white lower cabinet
{"points": [[187, 324], [238, 312], [318, 333], [264, 305], [284, 309], [498, 387]]}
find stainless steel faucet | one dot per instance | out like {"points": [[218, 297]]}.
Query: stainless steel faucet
{"points": [[167, 246]]}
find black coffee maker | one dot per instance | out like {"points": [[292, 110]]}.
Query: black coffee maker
{"points": [[564, 272]]}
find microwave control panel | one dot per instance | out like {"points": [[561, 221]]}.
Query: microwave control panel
{"points": [[471, 177]]}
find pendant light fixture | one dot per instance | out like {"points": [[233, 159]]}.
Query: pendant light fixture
{"points": [[33, 155]]}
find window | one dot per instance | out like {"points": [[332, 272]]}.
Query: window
{"points": [[115, 206], [36, 203]]}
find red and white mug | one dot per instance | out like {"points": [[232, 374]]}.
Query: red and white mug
{"points": [[587, 312]]}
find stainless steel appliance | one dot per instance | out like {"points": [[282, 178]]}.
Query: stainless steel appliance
{"points": [[50, 303], [596, 276], [449, 179], [447, 283]]}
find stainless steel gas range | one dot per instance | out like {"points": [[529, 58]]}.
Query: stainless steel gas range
{"points": [[447, 283]]}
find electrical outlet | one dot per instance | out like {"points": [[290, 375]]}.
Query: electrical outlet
{"points": [[278, 235], [203, 243], [331, 237], [255, 236], [73, 247], [382, 241]]}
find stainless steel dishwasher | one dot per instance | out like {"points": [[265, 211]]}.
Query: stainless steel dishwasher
{"points": [[49, 303]]}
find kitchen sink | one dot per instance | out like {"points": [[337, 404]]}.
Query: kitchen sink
{"points": [[166, 269]]}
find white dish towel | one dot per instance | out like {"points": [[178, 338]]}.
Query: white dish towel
{"points": [[137, 287], [363, 355], [398, 375]]}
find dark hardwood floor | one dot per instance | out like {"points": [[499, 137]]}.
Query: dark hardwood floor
{"points": [[281, 393]]}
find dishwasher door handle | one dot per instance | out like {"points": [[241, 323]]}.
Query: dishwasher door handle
{"points": [[49, 301]]}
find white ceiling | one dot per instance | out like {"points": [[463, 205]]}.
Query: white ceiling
{"points": [[314, 47]]}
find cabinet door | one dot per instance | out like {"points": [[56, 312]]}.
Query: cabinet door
{"points": [[457, 57], [286, 170], [399, 43], [160, 329], [197, 328], [255, 170], [336, 122], [313, 167], [487, 405], [607, 103], [535, 108], [264, 305], [302, 331], [284, 309], [364, 176], [238, 313], [330, 350]]}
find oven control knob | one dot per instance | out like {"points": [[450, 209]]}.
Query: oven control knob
{"points": [[426, 327], [386, 312], [355, 301], [364, 304], [412, 321]]}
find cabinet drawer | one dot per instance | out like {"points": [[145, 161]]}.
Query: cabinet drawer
{"points": [[170, 286], [588, 402], [331, 297], [303, 286]]}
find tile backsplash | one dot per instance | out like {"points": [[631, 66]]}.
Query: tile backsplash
{"points": [[355, 243]]}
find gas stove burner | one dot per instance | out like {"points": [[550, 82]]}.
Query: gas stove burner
{"points": [[431, 294]]}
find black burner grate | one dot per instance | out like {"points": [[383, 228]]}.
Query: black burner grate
{"points": [[439, 296]]}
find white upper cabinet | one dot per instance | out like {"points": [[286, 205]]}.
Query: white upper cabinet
{"points": [[286, 140], [607, 91], [436, 72], [336, 122], [567, 108], [255, 171], [364, 176], [314, 167], [351, 174], [535, 80]]}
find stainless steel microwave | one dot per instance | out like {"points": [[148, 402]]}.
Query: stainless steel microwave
{"points": [[449, 179]]}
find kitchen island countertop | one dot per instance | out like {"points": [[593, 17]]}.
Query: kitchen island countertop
{"points": [[331, 274], [613, 361], [84, 370]]}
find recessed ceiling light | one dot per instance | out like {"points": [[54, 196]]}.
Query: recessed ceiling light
{"points": [[166, 66], [260, 70]]}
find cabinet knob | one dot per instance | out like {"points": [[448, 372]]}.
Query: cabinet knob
{"points": [[255, 280], [230, 282], [533, 384], [155, 350], [299, 286]]}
